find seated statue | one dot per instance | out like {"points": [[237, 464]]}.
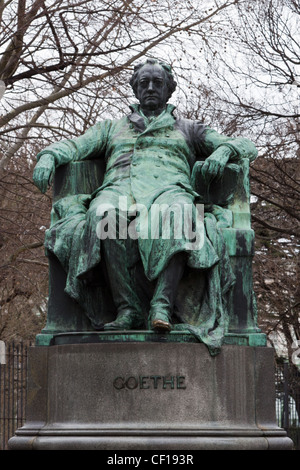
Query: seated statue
{"points": [[150, 157]]}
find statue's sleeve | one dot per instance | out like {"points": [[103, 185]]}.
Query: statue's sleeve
{"points": [[207, 140], [90, 145]]}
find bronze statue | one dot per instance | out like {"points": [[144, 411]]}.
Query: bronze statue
{"points": [[149, 159]]}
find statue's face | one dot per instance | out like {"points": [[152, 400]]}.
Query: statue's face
{"points": [[152, 90]]}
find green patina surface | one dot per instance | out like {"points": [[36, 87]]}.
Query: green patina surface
{"points": [[157, 160], [250, 339]]}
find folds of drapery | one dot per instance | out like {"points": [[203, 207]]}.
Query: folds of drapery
{"points": [[201, 309]]}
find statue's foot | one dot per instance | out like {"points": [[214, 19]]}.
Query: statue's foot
{"points": [[126, 321], [159, 321]]}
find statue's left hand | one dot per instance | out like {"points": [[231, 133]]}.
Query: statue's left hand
{"points": [[214, 165]]}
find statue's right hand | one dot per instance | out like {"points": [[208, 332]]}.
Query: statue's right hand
{"points": [[43, 172]]}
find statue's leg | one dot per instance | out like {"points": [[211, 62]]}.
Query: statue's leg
{"points": [[130, 314], [117, 250], [162, 303]]}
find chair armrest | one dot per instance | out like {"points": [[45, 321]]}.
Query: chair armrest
{"points": [[232, 190], [78, 178]]}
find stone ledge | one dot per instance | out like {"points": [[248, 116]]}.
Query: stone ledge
{"points": [[157, 443], [84, 337]]}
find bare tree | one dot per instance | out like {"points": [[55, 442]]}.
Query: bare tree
{"points": [[254, 85], [66, 65], [73, 50]]}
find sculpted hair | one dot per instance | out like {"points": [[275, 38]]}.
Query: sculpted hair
{"points": [[171, 84]]}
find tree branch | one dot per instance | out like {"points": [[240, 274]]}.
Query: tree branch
{"points": [[287, 230], [25, 248]]}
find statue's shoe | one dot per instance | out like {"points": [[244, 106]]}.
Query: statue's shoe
{"points": [[159, 321], [126, 321]]}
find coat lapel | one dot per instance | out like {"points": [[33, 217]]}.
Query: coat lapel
{"points": [[165, 119], [136, 119]]}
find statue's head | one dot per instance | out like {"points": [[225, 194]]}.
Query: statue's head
{"points": [[153, 83]]}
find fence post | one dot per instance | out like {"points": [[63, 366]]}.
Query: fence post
{"points": [[2, 353], [286, 395], [2, 366]]}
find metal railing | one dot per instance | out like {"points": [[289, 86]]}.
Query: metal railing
{"points": [[13, 373], [287, 380]]}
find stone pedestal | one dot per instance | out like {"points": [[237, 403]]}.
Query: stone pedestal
{"points": [[150, 396]]}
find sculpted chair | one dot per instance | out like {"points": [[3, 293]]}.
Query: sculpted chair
{"points": [[232, 191]]}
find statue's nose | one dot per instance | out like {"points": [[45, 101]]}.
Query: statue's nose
{"points": [[150, 86]]}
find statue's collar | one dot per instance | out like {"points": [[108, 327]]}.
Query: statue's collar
{"points": [[141, 123], [135, 108]]}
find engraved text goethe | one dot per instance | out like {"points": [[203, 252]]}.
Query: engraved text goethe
{"points": [[155, 382]]}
